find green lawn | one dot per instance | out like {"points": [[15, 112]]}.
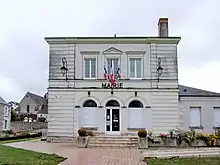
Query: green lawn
{"points": [[15, 156], [184, 161]]}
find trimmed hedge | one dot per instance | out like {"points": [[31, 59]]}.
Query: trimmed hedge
{"points": [[39, 134]]}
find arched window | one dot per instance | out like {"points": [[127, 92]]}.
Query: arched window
{"points": [[112, 103], [90, 103], [135, 104], [88, 114], [136, 115]]}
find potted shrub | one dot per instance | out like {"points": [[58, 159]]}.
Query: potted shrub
{"points": [[90, 133], [143, 140], [82, 132], [82, 139], [142, 133]]}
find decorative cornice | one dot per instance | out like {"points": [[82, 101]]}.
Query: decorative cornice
{"points": [[112, 40], [135, 52], [89, 52], [112, 50]]}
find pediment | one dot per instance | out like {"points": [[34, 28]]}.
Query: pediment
{"points": [[112, 50]]}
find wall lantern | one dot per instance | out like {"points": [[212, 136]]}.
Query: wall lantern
{"points": [[159, 69], [64, 69]]}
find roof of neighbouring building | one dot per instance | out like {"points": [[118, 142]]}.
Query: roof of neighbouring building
{"points": [[2, 101], [44, 108], [185, 91], [38, 99]]}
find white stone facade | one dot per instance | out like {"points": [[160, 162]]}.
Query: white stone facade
{"points": [[158, 106]]}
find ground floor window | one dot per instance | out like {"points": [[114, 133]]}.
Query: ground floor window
{"points": [[136, 114], [195, 117], [88, 114], [216, 116]]}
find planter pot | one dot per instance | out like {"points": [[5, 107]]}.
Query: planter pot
{"points": [[198, 143], [183, 144], [169, 142], [82, 142], [143, 142], [217, 142]]}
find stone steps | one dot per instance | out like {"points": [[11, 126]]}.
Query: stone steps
{"points": [[113, 142]]}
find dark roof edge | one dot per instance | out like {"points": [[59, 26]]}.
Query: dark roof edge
{"points": [[128, 37], [199, 95]]}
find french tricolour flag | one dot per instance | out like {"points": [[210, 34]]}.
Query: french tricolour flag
{"points": [[105, 73], [111, 77], [118, 73]]}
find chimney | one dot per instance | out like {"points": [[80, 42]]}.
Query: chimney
{"points": [[163, 27]]}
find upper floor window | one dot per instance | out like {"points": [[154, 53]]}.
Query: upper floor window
{"points": [[135, 66], [113, 66], [89, 68]]}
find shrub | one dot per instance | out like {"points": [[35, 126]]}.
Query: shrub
{"points": [[90, 133], [24, 133], [142, 133], [162, 135], [181, 135], [42, 119], [209, 139], [82, 132]]}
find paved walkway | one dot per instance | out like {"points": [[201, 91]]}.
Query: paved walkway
{"points": [[77, 156], [182, 152]]}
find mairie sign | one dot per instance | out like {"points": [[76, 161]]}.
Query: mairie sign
{"points": [[110, 85]]}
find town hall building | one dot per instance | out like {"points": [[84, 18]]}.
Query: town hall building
{"points": [[119, 85]]}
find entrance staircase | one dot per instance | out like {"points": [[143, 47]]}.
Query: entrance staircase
{"points": [[113, 142]]}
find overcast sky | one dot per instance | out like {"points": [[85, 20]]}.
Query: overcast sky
{"points": [[25, 23]]}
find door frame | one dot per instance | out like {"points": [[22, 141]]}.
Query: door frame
{"points": [[112, 132]]}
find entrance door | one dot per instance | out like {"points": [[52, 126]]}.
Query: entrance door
{"points": [[112, 121]]}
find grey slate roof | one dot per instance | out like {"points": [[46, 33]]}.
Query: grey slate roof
{"points": [[185, 91], [38, 99], [2, 101]]}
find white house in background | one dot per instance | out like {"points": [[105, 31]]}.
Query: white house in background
{"points": [[119, 85], [5, 115]]}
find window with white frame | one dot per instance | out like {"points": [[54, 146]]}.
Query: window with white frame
{"points": [[216, 117], [88, 114], [89, 67], [113, 66], [195, 117], [135, 108], [135, 65]]}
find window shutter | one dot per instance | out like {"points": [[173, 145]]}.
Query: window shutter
{"points": [[216, 117], [195, 116], [88, 117], [135, 117]]}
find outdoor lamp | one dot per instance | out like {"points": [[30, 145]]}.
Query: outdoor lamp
{"points": [[159, 69], [64, 67]]}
